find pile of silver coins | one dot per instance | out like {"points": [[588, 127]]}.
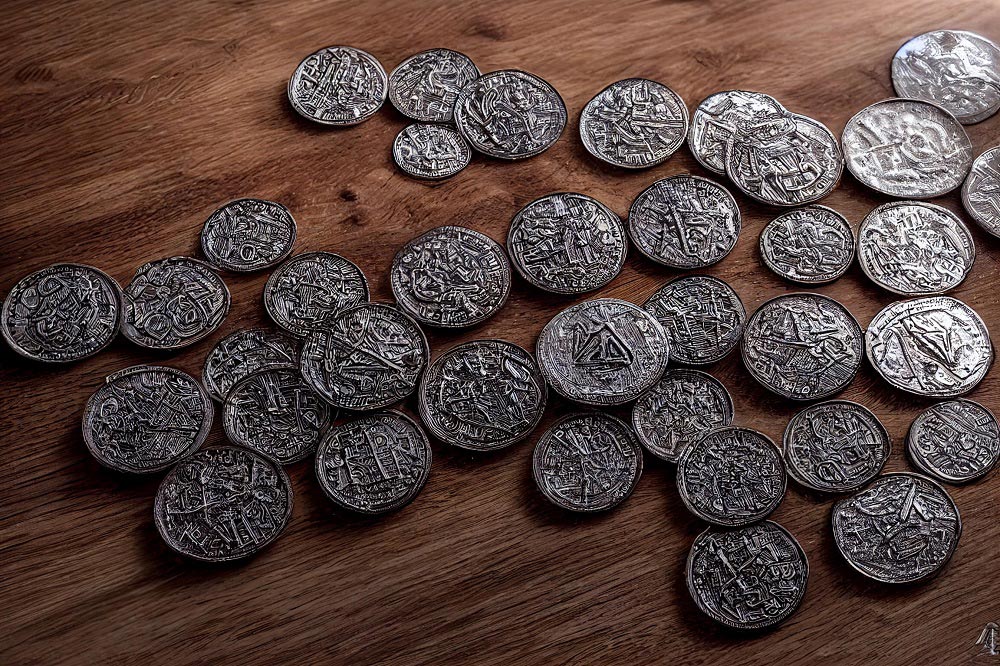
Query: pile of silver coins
{"points": [[322, 384]]}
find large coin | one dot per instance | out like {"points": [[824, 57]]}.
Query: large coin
{"points": [[955, 441], [62, 313], [243, 353], [587, 462], [222, 504], [425, 86], [430, 151], [248, 235], [338, 85], [723, 115], [900, 529], [146, 418], [567, 243], [981, 191], [306, 292], [803, 346], [808, 245], [482, 395]]}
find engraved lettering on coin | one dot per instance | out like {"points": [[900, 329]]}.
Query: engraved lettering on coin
{"points": [[955, 441], [981, 191], [306, 292], [248, 235], [809, 245], [243, 353], [430, 151], [338, 85], [425, 86], [724, 115]]}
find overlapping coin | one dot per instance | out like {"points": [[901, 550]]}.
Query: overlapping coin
{"points": [[338, 85], [956, 441], [981, 191], [724, 115], [307, 291], [244, 352], [248, 235], [425, 86], [430, 151], [809, 245]]}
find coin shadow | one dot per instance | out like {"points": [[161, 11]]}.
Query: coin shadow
{"points": [[301, 123]]}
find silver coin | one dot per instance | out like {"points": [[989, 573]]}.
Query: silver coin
{"points": [[955, 69], [451, 277], [248, 235], [587, 462], [374, 464], [936, 347], [223, 503], [510, 114], [634, 123], [145, 418], [808, 245], [981, 191], [835, 447], [338, 85], [678, 410], [731, 477], [173, 303], [907, 148], [62, 313], [749, 578], [723, 115], [567, 243], [702, 316], [307, 291], [955, 441], [684, 221], [430, 151], [243, 353], [900, 529], [602, 352], [425, 86], [482, 395], [371, 356]]}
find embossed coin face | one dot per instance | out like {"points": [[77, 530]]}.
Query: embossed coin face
{"points": [[981, 191], [243, 353], [602, 352], [907, 148], [338, 85], [173, 303], [731, 477], [684, 221], [371, 356], [222, 504], [425, 86], [724, 115], [510, 114], [567, 243], [248, 235], [702, 316], [482, 395], [809, 245], [587, 462], [936, 347], [62, 313], [430, 151], [451, 277], [146, 418], [306, 292], [803, 346], [835, 446], [374, 464], [678, 410], [955, 441], [749, 578], [900, 529]]}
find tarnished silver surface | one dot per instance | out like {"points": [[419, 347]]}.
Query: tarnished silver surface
{"points": [[338, 85], [981, 191], [307, 291], [724, 115], [955, 441], [248, 235], [244, 352], [808, 245], [430, 151], [425, 86]]}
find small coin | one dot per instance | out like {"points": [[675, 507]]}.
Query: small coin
{"points": [[981, 191], [425, 86], [936, 347], [955, 441], [307, 291], [338, 85], [62, 313], [808, 245], [173, 303], [900, 529], [374, 464], [451, 277], [243, 353], [430, 151], [248, 235], [724, 115], [145, 418], [587, 462], [702, 316], [223, 503], [482, 395], [803, 346], [678, 410], [684, 221], [567, 243]]}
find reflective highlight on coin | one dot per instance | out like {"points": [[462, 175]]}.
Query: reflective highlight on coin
{"points": [[338, 85], [724, 115], [430, 151], [307, 291], [243, 353], [248, 235], [981, 191], [425, 86], [808, 245], [955, 441]]}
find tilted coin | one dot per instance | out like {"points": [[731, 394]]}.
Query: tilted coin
{"points": [[602, 352], [425, 86], [900, 529], [145, 418], [223, 503], [684, 221], [430, 151], [587, 462], [678, 410], [955, 441], [907, 148], [243, 353], [723, 115], [338, 85], [307, 291], [936, 347], [451, 277], [808, 245], [482, 395], [981, 191], [62, 313], [567, 243], [248, 235]]}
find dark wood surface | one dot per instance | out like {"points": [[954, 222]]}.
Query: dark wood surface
{"points": [[124, 124]]}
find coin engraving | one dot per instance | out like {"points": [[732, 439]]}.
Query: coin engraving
{"points": [[307, 291], [248, 235], [243, 353], [338, 85], [724, 115], [425, 86], [956, 441], [981, 191], [808, 245], [430, 151]]}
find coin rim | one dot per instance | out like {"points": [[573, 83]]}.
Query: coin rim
{"points": [[967, 203], [220, 264], [391, 88], [433, 176], [380, 72], [920, 461], [825, 279]]}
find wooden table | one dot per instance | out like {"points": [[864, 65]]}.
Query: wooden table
{"points": [[125, 124]]}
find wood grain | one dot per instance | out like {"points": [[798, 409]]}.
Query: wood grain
{"points": [[124, 124]]}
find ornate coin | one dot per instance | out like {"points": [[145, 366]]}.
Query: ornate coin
{"points": [[306, 292], [430, 151], [248, 235], [981, 191], [809, 245], [338, 85], [425, 86], [955, 441], [724, 115], [243, 353]]}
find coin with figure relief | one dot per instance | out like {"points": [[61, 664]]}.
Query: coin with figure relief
{"points": [[425, 86]]}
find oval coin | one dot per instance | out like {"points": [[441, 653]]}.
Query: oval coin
{"points": [[808, 245], [425, 86], [338, 85], [307, 291], [955, 441]]}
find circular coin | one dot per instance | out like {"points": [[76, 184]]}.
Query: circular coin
{"points": [[425, 86], [809, 245], [243, 353], [307, 291], [430, 151], [981, 191], [955, 441], [248, 235], [338, 85], [723, 115]]}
